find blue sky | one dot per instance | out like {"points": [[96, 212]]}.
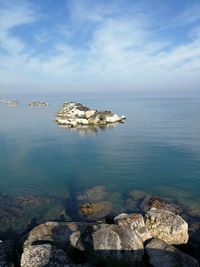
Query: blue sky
{"points": [[98, 45]]}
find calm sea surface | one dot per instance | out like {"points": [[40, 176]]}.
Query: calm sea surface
{"points": [[156, 150]]}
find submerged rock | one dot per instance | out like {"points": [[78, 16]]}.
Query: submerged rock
{"points": [[96, 210], [111, 245], [167, 226], [162, 254], [74, 114], [93, 194]]}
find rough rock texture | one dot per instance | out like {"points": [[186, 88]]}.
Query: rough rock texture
{"points": [[93, 194], [111, 245], [96, 210], [6, 254], [55, 232], [167, 226], [159, 203], [162, 254], [134, 221], [74, 114], [42, 256]]}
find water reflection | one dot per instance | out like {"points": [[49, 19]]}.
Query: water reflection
{"points": [[91, 130]]}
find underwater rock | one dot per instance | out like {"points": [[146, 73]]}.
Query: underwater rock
{"points": [[135, 222], [31, 201], [111, 245], [38, 104], [96, 210], [74, 114], [43, 255], [137, 199], [10, 214], [167, 226], [162, 254], [93, 194], [137, 194]]}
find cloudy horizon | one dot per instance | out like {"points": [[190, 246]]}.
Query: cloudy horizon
{"points": [[92, 46]]}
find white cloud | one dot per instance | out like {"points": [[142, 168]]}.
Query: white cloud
{"points": [[123, 51]]}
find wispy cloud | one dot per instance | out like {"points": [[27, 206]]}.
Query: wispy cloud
{"points": [[98, 45]]}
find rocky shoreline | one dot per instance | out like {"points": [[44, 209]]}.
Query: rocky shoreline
{"points": [[158, 235], [74, 114]]}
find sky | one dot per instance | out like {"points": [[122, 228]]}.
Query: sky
{"points": [[145, 46]]}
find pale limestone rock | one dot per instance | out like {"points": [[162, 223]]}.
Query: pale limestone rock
{"points": [[82, 121], [133, 221], [167, 226], [89, 113], [42, 256], [113, 119], [82, 115], [111, 244], [162, 254], [57, 232]]}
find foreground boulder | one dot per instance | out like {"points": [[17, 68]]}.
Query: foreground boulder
{"points": [[58, 233], [167, 226], [135, 222], [162, 254], [43, 255], [111, 245], [74, 114]]}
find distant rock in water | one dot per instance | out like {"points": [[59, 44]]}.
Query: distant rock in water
{"points": [[13, 103], [38, 104], [75, 114]]}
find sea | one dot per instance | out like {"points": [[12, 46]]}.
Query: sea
{"points": [[44, 167]]}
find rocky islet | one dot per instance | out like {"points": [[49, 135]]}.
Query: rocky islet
{"points": [[74, 114]]}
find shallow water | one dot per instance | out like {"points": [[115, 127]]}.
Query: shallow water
{"points": [[157, 150]]}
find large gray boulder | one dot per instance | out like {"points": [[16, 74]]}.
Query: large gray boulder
{"points": [[162, 254], [43, 255], [59, 233], [111, 245], [167, 226], [135, 222]]}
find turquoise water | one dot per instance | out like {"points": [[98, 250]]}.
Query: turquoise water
{"points": [[157, 150]]}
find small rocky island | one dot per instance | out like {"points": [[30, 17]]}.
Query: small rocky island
{"points": [[38, 104], [74, 114], [12, 103]]}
